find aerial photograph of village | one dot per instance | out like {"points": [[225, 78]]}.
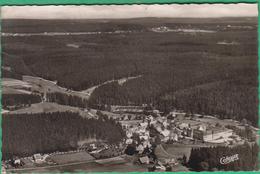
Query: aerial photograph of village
{"points": [[131, 88]]}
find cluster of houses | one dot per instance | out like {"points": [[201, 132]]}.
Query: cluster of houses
{"points": [[173, 128], [19, 162], [178, 127], [140, 135], [192, 128]]}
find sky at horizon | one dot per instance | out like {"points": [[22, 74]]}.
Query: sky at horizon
{"points": [[129, 11]]}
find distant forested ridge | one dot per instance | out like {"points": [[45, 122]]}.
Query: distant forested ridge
{"points": [[208, 159], [27, 134], [101, 57]]}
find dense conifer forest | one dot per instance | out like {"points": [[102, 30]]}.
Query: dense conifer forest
{"points": [[201, 158], [65, 99], [27, 134], [19, 100]]}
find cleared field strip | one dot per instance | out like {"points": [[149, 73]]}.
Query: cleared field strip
{"points": [[13, 86], [49, 167], [45, 86], [69, 158], [121, 81], [8, 82], [113, 160], [48, 107]]}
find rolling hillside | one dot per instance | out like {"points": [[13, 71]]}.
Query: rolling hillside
{"points": [[172, 55]]}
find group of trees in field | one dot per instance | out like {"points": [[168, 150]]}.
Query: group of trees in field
{"points": [[10, 101], [27, 134], [208, 158], [66, 99]]}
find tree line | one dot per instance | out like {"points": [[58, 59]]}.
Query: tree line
{"points": [[65, 99], [10, 101]]}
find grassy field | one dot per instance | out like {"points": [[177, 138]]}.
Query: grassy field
{"points": [[14, 86], [89, 167], [50, 107], [177, 150], [67, 158], [43, 85], [111, 161], [8, 82]]}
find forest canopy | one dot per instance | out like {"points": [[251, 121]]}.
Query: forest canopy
{"points": [[27, 134], [208, 159]]}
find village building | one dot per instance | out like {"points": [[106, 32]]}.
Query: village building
{"points": [[144, 160], [173, 136], [176, 113], [144, 137], [38, 158], [140, 148], [17, 162], [129, 134], [202, 128], [183, 125], [166, 135], [129, 141], [146, 144], [217, 135], [93, 146]]}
